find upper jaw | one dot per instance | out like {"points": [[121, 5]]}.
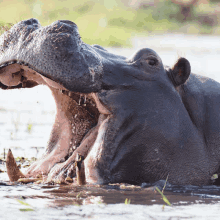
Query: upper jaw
{"points": [[56, 52]]}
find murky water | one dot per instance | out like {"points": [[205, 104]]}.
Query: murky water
{"points": [[107, 202], [26, 117]]}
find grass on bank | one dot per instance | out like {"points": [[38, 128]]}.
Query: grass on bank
{"points": [[104, 22]]}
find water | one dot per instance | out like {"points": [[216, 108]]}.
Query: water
{"points": [[107, 202], [26, 118]]}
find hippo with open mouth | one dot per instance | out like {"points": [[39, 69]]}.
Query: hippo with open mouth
{"points": [[133, 120]]}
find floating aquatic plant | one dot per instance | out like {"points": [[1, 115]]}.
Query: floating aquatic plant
{"points": [[26, 204], [127, 201]]}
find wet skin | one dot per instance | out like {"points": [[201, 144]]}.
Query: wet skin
{"points": [[133, 119]]}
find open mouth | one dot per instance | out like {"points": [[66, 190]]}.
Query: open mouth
{"points": [[55, 56], [77, 122]]}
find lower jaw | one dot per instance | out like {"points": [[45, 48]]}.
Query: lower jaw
{"points": [[94, 161], [75, 129]]}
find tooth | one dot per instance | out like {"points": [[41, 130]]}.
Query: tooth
{"points": [[80, 170], [12, 169], [80, 100], [11, 62], [23, 84], [69, 94]]}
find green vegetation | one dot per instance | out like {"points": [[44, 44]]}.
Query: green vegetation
{"points": [[163, 197], [4, 27], [29, 127], [161, 193], [78, 196], [214, 176], [113, 23], [21, 201], [127, 201]]}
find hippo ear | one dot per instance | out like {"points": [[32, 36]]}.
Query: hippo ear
{"points": [[181, 71]]}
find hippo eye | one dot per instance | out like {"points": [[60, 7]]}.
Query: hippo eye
{"points": [[152, 61]]}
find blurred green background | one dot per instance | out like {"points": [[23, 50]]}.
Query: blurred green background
{"points": [[115, 22]]}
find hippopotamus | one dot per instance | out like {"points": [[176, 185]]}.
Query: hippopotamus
{"points": [[129, 119]]}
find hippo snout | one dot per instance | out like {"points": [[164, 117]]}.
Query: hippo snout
{"points": [[31, 21]]}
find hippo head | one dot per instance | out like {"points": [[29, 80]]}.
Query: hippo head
{"points": [[122, 115]]}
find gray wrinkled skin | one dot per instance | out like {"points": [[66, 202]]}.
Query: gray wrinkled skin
{"points": [[158, 121]]}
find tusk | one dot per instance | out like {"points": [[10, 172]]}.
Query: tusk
{"points": [[80, 170], [12, 169]]}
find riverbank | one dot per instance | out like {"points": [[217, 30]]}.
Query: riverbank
{"points": [[114, 23]]}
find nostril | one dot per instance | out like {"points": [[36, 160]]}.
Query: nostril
{"points": [[68, 22], [28, 22], [63, 26], [34, 21], [31, 21]]}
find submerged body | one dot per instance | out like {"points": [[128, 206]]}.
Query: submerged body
{"points": [[132, 119]]}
